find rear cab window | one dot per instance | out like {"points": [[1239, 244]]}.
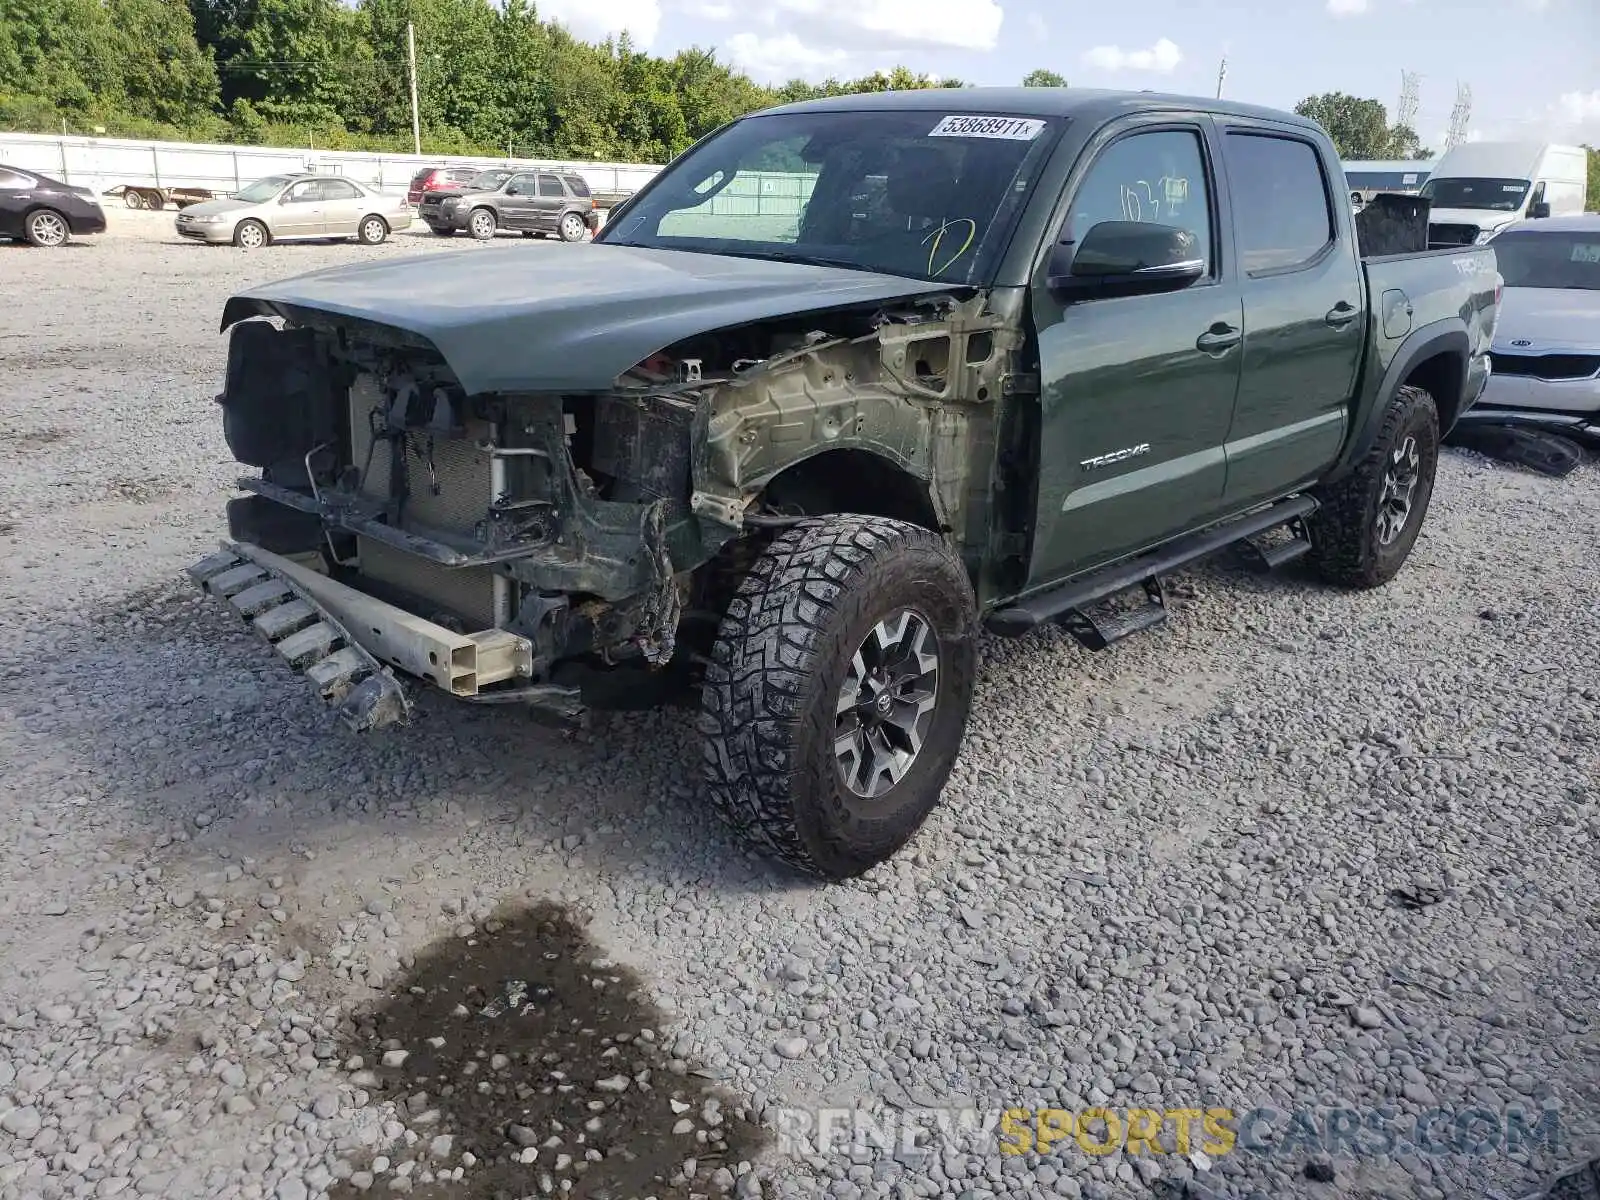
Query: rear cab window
{"points": [[1283, 214]]}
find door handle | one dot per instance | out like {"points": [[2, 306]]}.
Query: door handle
{"points": [[1341, 314], [1219, 339]]}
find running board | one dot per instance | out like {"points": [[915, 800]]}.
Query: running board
{"points": [[1266, 559], [1099, 632], [1014, 620]]}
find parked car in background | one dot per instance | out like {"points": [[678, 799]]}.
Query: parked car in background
{"points": [[46, 212], [435, 179], [1479, 188], [529, 202], [1546, 351], [283, 208]]}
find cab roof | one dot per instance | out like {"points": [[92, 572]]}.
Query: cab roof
{"points": [[1089, 104]]}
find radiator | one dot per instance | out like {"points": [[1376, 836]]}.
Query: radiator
{"points": [[467, 480]]}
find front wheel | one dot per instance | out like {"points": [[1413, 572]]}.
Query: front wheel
{"points": [[372, 231], [47, 228], [251, 235], [1370, 519], [482, 224], [838, 691]]}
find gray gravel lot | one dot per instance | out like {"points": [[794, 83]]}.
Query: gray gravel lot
{"points": [[1299, 849]]}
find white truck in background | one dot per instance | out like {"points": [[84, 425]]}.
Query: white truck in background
{"points": [[1478, 189]]}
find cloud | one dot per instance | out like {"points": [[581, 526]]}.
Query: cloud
{"points": [[1161, 58], [886, 25], [1347, 8], [1579, 112], [640, 19], [1038, 28], [784, 57], [706, 10]]}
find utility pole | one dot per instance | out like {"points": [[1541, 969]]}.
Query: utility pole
{"points": [[1222, 74], [411, 59]]}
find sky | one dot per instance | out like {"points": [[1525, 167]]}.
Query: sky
{"points": [[1533, 66]]}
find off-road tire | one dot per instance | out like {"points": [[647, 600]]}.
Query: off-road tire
{"points": [[483, 230], [1345, 547], [242, 238], [372, 230], [782, 653]]}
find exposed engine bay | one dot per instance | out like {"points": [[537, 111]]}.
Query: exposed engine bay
{"points": [[577, 522]]}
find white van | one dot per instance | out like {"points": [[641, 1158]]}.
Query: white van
{"points": [[1479, 188]]}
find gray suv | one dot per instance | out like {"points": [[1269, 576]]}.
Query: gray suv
{"points": [[529, 202]]}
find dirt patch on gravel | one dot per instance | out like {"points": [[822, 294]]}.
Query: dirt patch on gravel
{"points": [[539, 1067]]}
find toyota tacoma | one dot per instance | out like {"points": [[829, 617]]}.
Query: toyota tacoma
{"points": [[845, 383]]}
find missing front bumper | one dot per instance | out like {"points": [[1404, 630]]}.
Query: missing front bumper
{"points": [[347, 643]]}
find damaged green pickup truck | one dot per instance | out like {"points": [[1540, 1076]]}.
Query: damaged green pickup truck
{"points": [[846, 382]]}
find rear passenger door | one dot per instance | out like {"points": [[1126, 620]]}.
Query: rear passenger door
{"points": [[341, 207], [16, 189], [1136, 391], [1304, 319], [552, 200]]}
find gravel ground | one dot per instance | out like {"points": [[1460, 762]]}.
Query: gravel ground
{"points": [[1299, 848]]}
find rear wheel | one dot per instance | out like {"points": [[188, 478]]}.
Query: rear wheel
{"points": [[573, 228], [1370, 519], [252, 235], [838, 691], [154, 201], [47, 228], [372, 230], [482, 224], [132, 199]]}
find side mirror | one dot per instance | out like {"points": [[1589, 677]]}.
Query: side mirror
{"points": [[1540, 210], [1127, 257]]}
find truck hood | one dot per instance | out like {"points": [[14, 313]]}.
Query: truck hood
{"points": [[567, 319], [1549, 320]]}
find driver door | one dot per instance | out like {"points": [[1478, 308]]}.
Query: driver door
{"points": [[1136, 391], [301, 212], [517, 200]]}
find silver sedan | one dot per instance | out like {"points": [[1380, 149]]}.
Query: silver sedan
{"points": [[1546, 350], [282, 208]]}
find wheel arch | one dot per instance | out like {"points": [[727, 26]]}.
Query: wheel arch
{"points": [[853, 479], [1434, 358]]}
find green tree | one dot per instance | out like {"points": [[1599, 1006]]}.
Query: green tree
{"points": [[1404, 143], [1594, 178], [1359, 128], [1043, 78]]}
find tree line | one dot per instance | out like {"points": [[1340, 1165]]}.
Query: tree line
{"points": [[493, 78]]}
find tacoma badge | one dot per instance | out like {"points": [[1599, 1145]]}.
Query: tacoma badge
{"points": [[1116, 456]]}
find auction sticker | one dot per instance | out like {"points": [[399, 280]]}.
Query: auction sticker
{"points": [[1014, 129]]}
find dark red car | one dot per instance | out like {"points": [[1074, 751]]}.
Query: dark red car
{"points": [[435, 179]]}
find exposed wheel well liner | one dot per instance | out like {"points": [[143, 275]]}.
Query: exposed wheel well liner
{"points": [[850, 480]]}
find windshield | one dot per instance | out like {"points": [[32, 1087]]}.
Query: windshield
{"points": [[1549, 260], [263, 189], [924, 194], [487, 181], [1496, 195]]}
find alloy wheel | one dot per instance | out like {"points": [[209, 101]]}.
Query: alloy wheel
{"points": [[1399, 490], [886, 703]]}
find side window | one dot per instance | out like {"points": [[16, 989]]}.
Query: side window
{"points": [[520, 185], [1159, 177], [1280, 201], [11, 181], [338, 189], [305, 192], [549, 185], [577, 186]]}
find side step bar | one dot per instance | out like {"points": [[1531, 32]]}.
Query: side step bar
{"points": [[1067, 601]]}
